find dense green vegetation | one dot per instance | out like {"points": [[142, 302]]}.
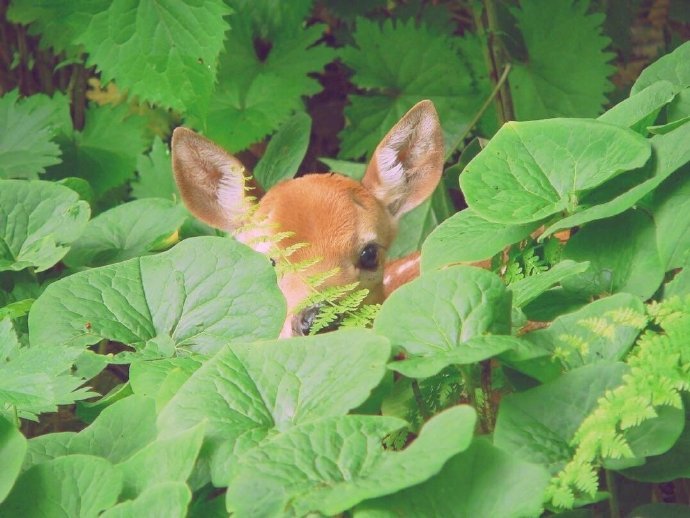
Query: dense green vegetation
{"points": [[557, 380]]}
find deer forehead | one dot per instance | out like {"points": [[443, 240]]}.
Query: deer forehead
{"points": [[334, 214]]}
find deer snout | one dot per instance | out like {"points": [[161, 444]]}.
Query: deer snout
{"points": [[302, 322]]}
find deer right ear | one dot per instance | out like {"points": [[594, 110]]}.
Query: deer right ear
{"points": [[211, 181]]}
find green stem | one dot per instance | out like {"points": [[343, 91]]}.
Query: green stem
{"points": [[498, 59], [614, 509], [419, 398]]}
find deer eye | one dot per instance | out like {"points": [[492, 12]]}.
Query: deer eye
{"points": [[369, 257]]}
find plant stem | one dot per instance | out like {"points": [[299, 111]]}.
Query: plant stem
{"points": [[426, 415], [614, 509], [498, 59]]}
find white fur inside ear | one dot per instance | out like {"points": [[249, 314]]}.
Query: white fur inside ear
{"points": [[231, 194]]}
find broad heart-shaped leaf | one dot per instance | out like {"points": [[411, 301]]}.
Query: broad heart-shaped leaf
{"points": [[164, 52], [38, 222], [542, 87], [670, 152], [481, 481], [273, 385], [532, 170], [602, 330], [401, 65], [329, 465], [641, 109], [285, 151], [257, 92], [160, 379], [672, 219], [12, 451], [672, 67], [202, 294], [622, 254], [74, 485], [47, 447], [527, 289], [467, 237], [155, 176], [168, 499], [129, 230], [105, 152], [458, 303], [537, 425], [27, 128]]}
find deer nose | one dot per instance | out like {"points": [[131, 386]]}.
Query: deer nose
{"points": [[302, 322]]}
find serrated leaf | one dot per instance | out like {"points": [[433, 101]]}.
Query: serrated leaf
{"points": [[169, 499], [106, 151], [38, 222], [542, 87], [13, 447], [129, 230], [27, 129], [482, 481], [75, 485], [202, 294], [641, 109], [539, 424], [673, 67], [622, 254], [155, 176], [285, 151], [527, 289], [531, 170], [327, 466], [257, 93], [670, 208], [462, 301], [400, 65], [467, 237]]}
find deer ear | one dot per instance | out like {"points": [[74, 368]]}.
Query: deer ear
{"points": [[407, 165], [211, 181]]}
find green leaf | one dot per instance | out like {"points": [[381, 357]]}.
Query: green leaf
{"points": [[473, 350], [482, 481], [75, 485], [672, 67], [641, 109], [467, 237], [602, 330], [105, 152], [272, 386], [13, 447], [38, 222], [400, 65], [660, 511], [527, 289], [532, 170], [256, 93], [539, 424], [16, 309], [354, 170], [329, 465], [164, 53], [168, 499], [160, 379], [462, 302], [27, 128], [285, 151], [669, 154], [129, 230], [155, 179], [542, 87], [202, 294], [80, 186], [622, 254], [672, 219], [47, 447]]}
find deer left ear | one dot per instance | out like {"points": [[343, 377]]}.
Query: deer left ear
{"points": [[407, 165]]}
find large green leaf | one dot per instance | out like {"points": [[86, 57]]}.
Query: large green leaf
{"points": [[538, 425], [329, 465], [155, 176], [641, 109], [532, 170], [622, 254], [672, 220], [467, 237], [130, 230], [460, 303], [12, 451], [27, 128], [160, 379], [401, 65], [75, 486], [202, 294], [673, 67], [38, 222], [482, 481], [527, 289], [168, 499]]}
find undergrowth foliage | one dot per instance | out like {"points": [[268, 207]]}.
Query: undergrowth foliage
{"points": [[140, 370]]}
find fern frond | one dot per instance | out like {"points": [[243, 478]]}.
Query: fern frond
{"points": [[599, 326]]}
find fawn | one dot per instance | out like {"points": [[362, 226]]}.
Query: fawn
{"points": [[348, 225]]}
